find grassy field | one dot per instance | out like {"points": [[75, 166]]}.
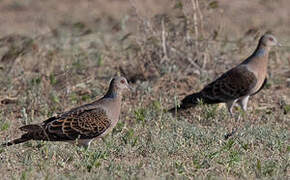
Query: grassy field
{"points": [[55, 55]]}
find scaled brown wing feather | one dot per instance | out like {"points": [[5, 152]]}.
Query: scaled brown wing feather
{"points": [[82, 124], [233, 84]]}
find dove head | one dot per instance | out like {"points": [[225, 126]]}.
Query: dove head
{"points": [[120, 83], [117, 85], [269, 40]]}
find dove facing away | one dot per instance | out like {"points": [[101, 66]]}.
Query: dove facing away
{"points": [[82, 124], [237, 84]]}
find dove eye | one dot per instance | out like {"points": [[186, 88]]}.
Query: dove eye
{"points": [[122, 81], [271, 39]]}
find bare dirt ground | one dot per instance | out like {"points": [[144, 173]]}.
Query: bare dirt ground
{"points": [[55, 55]]}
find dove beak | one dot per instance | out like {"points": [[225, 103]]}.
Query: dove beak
{"points": [[278, 44]]}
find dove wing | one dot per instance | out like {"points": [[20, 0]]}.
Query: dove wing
{"points": [[79, 124], [233, 84]]}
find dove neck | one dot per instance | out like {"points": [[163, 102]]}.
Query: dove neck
{"points": [[261, 53], [113, 93], [262, 50]]}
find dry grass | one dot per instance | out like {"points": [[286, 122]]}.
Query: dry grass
{"points": [[56, 55]]}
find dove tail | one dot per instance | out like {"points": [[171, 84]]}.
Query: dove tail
{"points": [[188, 102], [23, 138], [30, 130]]}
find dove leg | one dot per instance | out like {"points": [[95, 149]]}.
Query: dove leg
{"points": [[84, 143], [230, 105], [243, 102]]}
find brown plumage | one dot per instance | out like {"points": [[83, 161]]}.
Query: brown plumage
{"points": [[81, 124], [237, 84]]}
